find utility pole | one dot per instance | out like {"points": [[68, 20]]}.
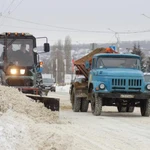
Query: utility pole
{"points": [[118, 39], [64, 69], [56, 70]]}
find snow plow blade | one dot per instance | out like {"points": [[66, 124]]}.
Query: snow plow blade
{"points": [[50, 103]]}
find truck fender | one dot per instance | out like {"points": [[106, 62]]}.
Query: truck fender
{"points": [[90, 87]]}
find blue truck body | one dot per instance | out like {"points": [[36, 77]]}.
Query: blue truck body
{"points": [[113, 80]]}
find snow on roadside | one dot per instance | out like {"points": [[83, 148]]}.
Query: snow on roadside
{"points": [[63, 88], [27, 125], [18, 132], [11, 98]]}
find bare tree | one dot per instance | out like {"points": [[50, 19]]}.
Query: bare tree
{"points": [[45, 66], [67, 51], [57, 62], [137, 50]]}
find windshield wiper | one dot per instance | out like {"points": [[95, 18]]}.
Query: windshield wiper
{"points": [[12, 41], [103, 64]]}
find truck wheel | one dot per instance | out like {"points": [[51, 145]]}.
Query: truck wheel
{"points": [[96, 105], [72, 99], [84, 105], [130, 109], [122, 108], [76, 104], [145, 107]]}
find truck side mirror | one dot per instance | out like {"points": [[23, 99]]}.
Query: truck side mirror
{"points": [[87, 65], [46, 47]]}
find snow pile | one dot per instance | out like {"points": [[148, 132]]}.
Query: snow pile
{"points": [[18, 132], [63, 88], [11, 98], [27, 125]]}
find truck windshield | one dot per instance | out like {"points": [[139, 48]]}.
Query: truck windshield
{"points": [[118, 62], [48, 80], [19, 51]]}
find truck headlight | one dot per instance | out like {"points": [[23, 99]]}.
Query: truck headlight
{"points": [[102, 86], [13, 71], [22, 71], [148, 86]]}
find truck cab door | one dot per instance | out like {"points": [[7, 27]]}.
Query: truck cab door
{"points": [[92, 71]]}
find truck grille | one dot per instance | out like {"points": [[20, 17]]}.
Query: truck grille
{"points": [[134, 82], [19, 82], [126, 84], [118, 82]]}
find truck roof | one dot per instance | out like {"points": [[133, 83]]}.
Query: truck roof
{"points": [[80, 63], [15, 34], [116, 55]]}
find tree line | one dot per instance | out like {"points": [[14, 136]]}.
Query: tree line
{"points": [[59, 62]]}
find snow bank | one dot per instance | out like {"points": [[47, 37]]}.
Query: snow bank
{"points": [[63, 88], [18, 132], [27, 125], [11, 98]]}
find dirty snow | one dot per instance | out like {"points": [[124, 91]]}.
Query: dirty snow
{"points": [[63, 88], [27, 125], [11, 98]]}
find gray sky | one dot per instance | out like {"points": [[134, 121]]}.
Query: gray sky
{"points": [[90, 15]]}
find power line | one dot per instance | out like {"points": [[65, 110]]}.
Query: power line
{"points": [[8, 7], [54, 26], [46, 29], [2, 5], [16, 6], [111, 39], [79, 30]]}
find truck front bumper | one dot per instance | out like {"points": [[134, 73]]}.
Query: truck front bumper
{"points": [[125, 96]]}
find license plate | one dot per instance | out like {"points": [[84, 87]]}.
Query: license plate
{"points": [[126, 96], [47, 88]]}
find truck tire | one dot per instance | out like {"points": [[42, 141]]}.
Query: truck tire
{"points": [[122, 108], [96, 105], [72, 99], [76, 104], [145, 107], [84, 105], [130, 109]]}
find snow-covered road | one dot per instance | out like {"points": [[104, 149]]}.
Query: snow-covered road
{"points": [[26, 125], [110, 131]]}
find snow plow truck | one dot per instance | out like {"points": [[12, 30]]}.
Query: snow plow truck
{"points": [[20, 66], [111, 79]]}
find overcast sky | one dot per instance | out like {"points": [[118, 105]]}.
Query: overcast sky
{"points": [[80, 16]]}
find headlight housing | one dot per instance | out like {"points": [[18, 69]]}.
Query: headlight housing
{"points": [[22, 71], [148, 86], [102, 86], [16, 71], [13, 71]]}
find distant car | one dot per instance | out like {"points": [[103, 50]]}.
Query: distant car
{"points": [[53, 88], [49, 83]]}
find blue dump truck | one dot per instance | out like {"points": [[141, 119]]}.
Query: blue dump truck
{"points": [[111, 79]]}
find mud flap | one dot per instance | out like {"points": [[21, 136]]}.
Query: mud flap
{"points": [[50, 103]]}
